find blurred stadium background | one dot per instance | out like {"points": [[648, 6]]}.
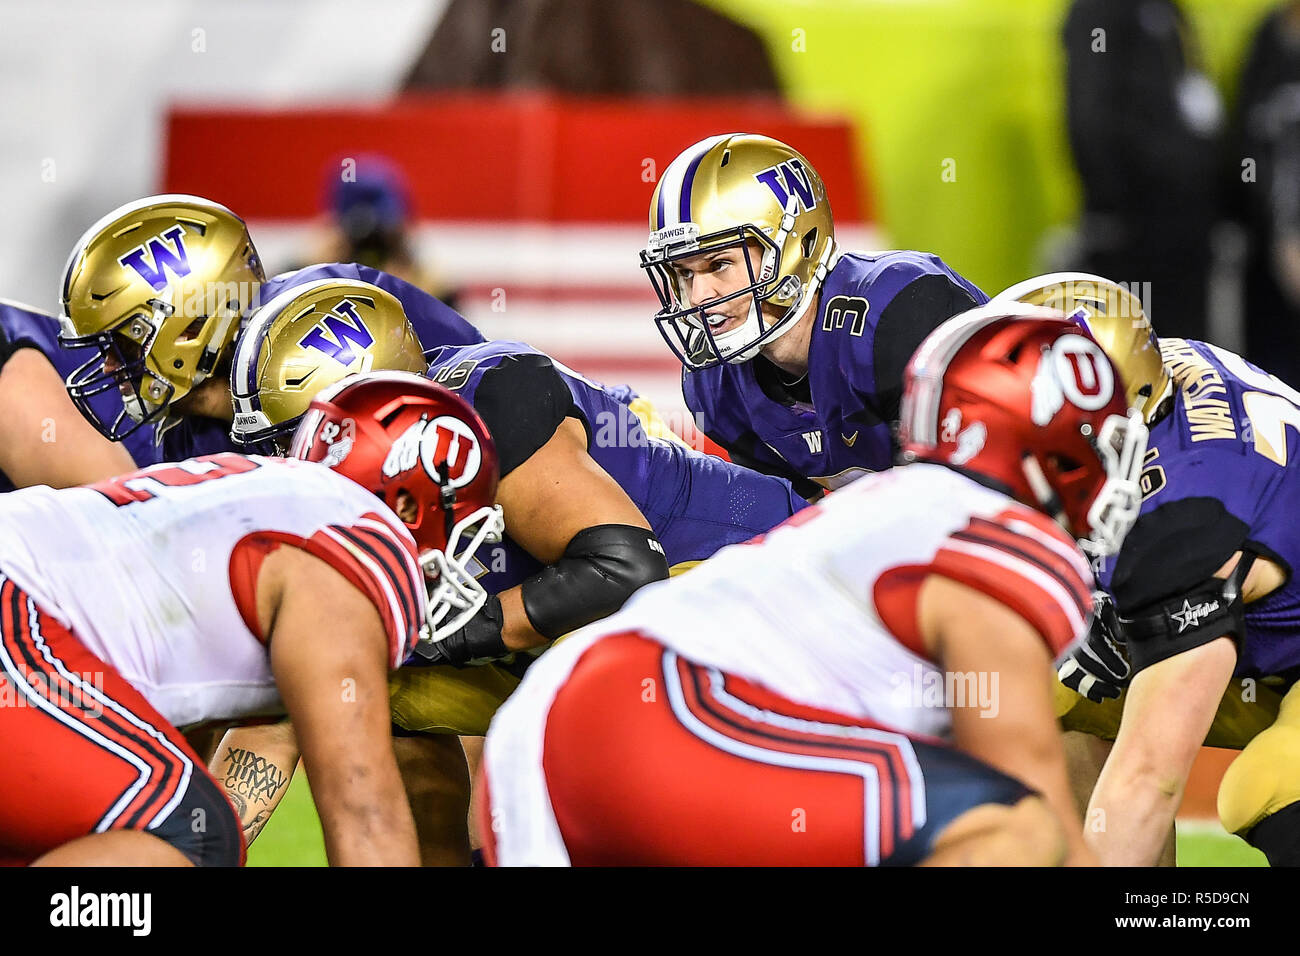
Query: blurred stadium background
{"points": [[514, 144]]}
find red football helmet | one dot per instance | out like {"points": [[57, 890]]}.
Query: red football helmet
{"points": [[395, 432], [1025, 398]]}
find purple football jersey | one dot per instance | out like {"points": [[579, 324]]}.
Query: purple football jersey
{"points": [[873, 313], [1221, 475], [695, 503]]}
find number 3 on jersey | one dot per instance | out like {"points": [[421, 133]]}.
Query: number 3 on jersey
{"points": [[144, 485]]}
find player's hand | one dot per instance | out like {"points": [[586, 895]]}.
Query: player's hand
{"points": [[1098, 667], [478, 642]]}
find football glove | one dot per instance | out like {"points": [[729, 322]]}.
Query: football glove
{"points": [[1098, 667], [478, 642]]}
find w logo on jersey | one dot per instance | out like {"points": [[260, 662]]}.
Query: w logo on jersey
{"points": [[337, 332], [154, 259], [786, 179]]}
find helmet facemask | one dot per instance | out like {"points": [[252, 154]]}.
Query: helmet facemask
{"points": [[147, 392], [455, 594], [686, 328], [1121, 445]]}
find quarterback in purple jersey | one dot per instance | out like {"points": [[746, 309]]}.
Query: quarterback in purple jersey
{"points": [[160, 288], [793, 349], [44, 440], [1204, 638]]}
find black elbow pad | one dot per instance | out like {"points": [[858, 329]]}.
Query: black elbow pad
{"points": [[600, 569]]}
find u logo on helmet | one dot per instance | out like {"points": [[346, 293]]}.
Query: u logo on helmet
{"points": [[444, 441], [1073, 369]]}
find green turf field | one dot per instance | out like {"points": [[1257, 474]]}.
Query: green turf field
{"points": [[1205, 844], [293, 838]]}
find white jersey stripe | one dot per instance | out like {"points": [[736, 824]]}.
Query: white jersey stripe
{"points": [[93, 692], [394, 604], [413, 566], [900, 742], [1070, 554], [20, 681]]}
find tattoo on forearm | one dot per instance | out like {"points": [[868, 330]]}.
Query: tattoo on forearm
{"points": [[248, 775]]}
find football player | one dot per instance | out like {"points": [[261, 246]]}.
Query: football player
{"points": [[199, 591], [1208, 611], [43, 438], [594, 507], [159, 288], [793, 350], [770, 707]]}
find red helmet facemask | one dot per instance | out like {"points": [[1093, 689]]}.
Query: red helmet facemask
{"points": [[396, 434], [1024, 398]]}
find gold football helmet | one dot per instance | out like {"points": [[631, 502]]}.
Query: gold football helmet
{"points": [[158, 287], [1114, 317], [725, 192], [310, 336]]}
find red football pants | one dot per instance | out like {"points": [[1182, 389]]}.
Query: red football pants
{"points": [[652, 759], [82, 751]]}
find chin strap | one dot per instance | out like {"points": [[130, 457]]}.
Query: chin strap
{"points": [[208, 360], [1048, 498], [825, 263]]}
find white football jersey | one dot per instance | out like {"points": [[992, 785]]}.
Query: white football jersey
{"points": [[821, 610], [156, 571]]}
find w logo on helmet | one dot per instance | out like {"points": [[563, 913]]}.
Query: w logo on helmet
{"points": [[345, 329], [789, 178], [163, 259]]}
